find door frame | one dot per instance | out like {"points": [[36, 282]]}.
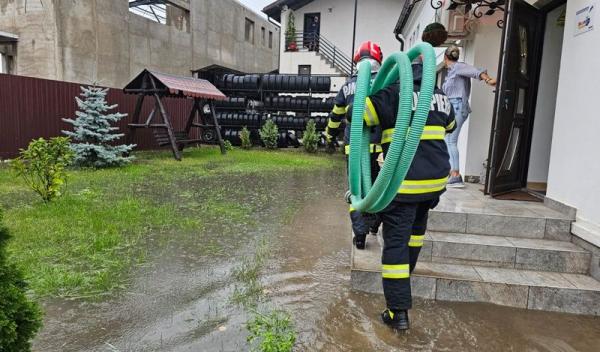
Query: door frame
{"points": [[506, 43]]}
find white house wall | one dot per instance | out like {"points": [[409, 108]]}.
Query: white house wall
{"points": [[483, 52], [546, 101], [575, 161]]}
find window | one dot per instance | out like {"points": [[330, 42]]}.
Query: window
{"points": [[304, 70], [263, 36], [163, 12], [270, 40], [249, 31]]}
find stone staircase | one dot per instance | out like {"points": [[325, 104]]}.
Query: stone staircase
{"points": [[478, 249]]}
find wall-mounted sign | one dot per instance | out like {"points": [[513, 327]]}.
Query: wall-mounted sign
{"points": [[584, 19]]}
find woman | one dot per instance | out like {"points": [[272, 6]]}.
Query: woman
{"points": [[457, 87]]}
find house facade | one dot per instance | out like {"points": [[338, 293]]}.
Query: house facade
{"points": [[536, 130], [111, 41], [331, 24]]}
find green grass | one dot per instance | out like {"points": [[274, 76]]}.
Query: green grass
{"points": [[85, 243]]}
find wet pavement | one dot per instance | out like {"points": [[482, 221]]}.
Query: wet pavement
{"points": [[181, 299]]}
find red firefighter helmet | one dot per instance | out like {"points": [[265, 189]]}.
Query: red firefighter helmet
{"points": [[368, 50]]}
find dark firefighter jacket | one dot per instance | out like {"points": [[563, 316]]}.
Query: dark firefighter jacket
{"points": [[337, 118], [428, 173]]}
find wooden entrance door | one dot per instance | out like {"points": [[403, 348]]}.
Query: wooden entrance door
{"points": [[516, 96]]}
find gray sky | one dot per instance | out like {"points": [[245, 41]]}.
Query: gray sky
{"points": [[256, 5]]}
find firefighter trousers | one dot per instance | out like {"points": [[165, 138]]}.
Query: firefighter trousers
{"points": [[362, 223], [404, 226]]}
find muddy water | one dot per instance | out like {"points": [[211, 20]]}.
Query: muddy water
{"points": [[180, 301]]}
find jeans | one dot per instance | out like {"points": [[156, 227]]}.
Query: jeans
{"points": [[460, 115]]}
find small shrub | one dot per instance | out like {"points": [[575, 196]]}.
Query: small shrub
{"points": [[20, 318], [272, 332], [311, 139], [42, 166], [245, 137], [228, 145], [269, 134]]}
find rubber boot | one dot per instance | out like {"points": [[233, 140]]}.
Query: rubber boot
{"points": [[397, 320]]}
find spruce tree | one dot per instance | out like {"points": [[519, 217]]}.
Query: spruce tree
{"points": [[93, 136]]}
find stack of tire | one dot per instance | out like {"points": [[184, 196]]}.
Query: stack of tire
{"points": [[261, 94], [231, 103], [235, 119], [295, 84], [246, 85]]}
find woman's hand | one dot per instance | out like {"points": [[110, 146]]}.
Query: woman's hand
{"points": [[490, 82]]}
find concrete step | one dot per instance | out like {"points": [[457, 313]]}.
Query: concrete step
{"points": [[505, 252], [512, 222], [527, 289]]}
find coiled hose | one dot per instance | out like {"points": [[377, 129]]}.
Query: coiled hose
{"points": [[372, 198]]}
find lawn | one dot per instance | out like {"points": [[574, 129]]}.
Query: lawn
{"points": [[84, 243]]}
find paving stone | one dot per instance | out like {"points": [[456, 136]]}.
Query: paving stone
{"points": [[567, 211], [473, 291], [595, 266], [531, 243], [505, 225], [557, 229], [425, 254], [564, 300], [583, 282], [423, 287], [548, 260], [503, 256], [446, 221], [447, 271], [366, 281]]}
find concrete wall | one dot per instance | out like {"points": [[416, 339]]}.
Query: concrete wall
{"points": [[574, 160], [100, 40], [544, 112]]}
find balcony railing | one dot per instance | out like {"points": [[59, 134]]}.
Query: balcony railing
{"points": [[311, 41]]}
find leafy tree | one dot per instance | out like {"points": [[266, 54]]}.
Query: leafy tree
{"points": [[310, 138], [20, 317], [93, 133], [269, 134], [245, 137], [42, 166]]}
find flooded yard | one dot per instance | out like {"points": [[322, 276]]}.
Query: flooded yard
{"points": [[183, 295], [181, 300]]}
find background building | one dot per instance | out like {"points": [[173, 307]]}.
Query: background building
{"points": [[110, 41], [332, 23]]}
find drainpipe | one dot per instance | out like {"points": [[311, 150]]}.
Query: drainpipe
{"points": [[353, 37], [400, 38]]}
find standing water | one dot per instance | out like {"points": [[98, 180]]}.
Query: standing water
{"points": [[182, 299]]}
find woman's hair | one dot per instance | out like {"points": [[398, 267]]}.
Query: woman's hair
{"points": [[435, 34], [453, 53]]}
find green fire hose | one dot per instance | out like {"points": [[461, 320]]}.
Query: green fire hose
{"points": [[365, 196]]}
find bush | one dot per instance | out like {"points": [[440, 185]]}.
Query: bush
{"points": [[20, 318], [227, 144], [269, 134], [42, 166], [245, 137], [272, 332], [94, 133], [311, 139]]}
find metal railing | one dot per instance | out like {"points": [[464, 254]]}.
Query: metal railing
{"points": [[311, 41]]}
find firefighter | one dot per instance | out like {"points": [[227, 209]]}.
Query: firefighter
{"points": [[362, 224], [405, 219]]}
